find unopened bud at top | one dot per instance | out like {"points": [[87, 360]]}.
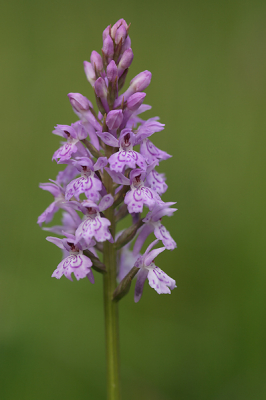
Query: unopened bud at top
{"points": [[79, 102], [126, 45], [135, 101], [125, 61], [96, 60], [111, 71], [121, 34], [141, 81], [106, 32], [114, 119], [89, 71], [100, 88], [117, 25], [108, 47]]}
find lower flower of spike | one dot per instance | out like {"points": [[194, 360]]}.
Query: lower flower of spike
{"points": [[79, 264], [153, 224], [75, 263], [157, 278]]}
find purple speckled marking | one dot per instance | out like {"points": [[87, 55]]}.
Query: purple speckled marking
{"points": [[152, 149], [65, 150], [133, 154], [137, 195], [96, 223], [164, 232], [79, 183], [70, 261], [86, 224], [147, 192], [107, 139], [89, 184], [123, 156], [157, 272], [156, 176], [78, 186]]}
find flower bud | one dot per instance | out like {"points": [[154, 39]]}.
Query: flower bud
{"points": [[108, 47], [100, 88], [79, 102], [96, 60], [135, 101], [114, 119], [117, 25], [141, 81], [125, 61], [106, 32], [121, 34], [126, 45], [111, 71], [89, 71]]}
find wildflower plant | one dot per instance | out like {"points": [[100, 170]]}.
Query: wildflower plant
{"points": [[107, 179]]}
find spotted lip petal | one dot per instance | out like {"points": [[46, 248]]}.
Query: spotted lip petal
{"points": [[157, 278], [78, 264], [162, 233], [118, 161], [160, 281], [151, 152], [94, 227], [89, 185], [137, 198], [156, 181], [65, 152]]}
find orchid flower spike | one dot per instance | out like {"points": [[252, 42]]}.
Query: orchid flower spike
{"points": [[111, 171]]}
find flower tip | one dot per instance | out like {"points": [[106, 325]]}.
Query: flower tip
{"points": [[141, 81], [96, 60], [89, 72]]}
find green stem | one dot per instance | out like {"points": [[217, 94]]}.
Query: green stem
{"points": [[111, 307]]}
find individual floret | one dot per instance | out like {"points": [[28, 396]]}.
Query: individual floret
{"points": [[76, 262], [158, 279]]}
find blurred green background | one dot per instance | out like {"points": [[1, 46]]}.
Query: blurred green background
{"points": [[207, 340]]}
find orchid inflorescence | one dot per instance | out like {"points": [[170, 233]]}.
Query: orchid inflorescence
{"points": [[99, 149]]}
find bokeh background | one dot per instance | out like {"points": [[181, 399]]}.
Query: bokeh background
{"points": [[207, 340]]}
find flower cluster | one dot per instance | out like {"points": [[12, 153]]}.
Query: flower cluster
{"points": [[101, 148]]}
